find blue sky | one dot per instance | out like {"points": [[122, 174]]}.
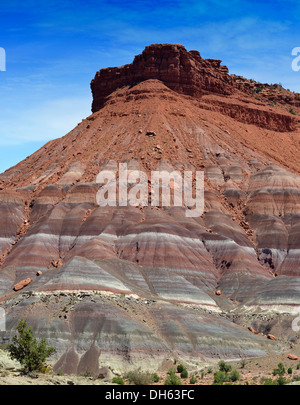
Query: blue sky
{"points": [[54, 48]]}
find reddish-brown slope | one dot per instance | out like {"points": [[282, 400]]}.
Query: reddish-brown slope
{"points": [[187, 130]]}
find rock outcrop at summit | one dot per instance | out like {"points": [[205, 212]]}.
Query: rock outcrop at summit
{"points": [[189, 74], [180, 70], [126, 285]]}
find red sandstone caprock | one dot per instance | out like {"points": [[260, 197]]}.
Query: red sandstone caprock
{"points": [[292, 357], [22, 284]]}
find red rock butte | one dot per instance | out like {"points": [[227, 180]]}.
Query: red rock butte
{"points": [[133, 286], [182, 71]]}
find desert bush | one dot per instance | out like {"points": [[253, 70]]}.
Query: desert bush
{"points": [[155, 377], [172, 379], [269, 381], [193, 379], [138, 377], [281, 380], [224, 366], [184, 373], [280, 370], [234, 376], [45, 370], [180, 368], [27, 350], [220, 377], [118, 380], [87, 373]]}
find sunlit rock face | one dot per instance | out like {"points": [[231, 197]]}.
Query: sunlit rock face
{"points": [[123, 285]]}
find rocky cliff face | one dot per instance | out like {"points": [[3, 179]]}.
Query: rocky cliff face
{"points": [[127, 286], [182, 71]]}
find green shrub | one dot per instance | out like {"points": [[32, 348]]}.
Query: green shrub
{"points": [[45, 370], [290, 370], [138, 377], [281, 380], [234, 376], [171, 371], [193, 380], [180, 368], [27, 350], [292, 111], [184, 373], [220, 377], [172, 379], [118, 380], [155, 377], [269, 381], [224, 367], [298, 366], [280, 370]]}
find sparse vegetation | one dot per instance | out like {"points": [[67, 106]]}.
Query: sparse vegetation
{"points": [[280, 370], [292, 111], [224, 366], [27, 350], [259, 88], [172, 379], [235, 373], [193, 379], [155, 377], [184, 373], [138, 377], [269, 381], [222, 375], [118, 380], [281, 380], [87, 374], [180, 368], [234, 376]]}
